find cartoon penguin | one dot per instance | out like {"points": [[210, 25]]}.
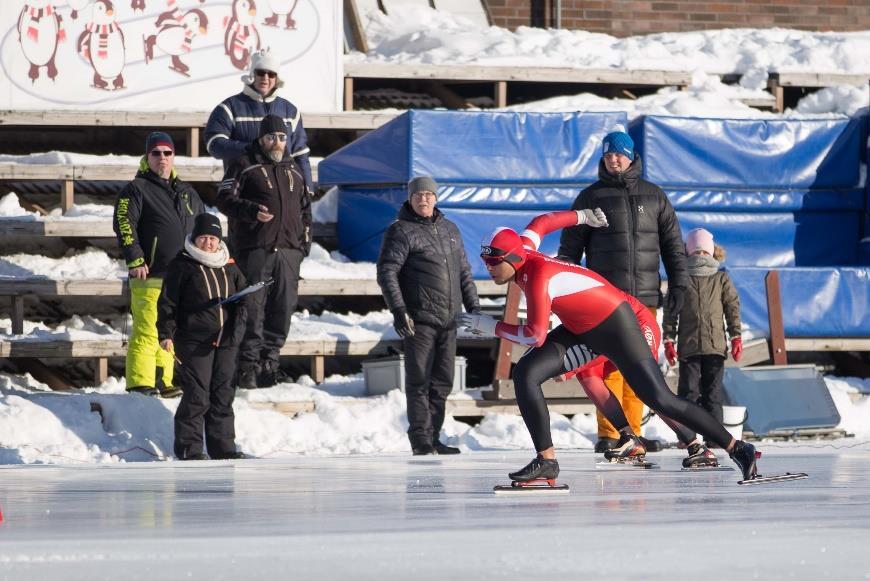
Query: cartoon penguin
{"points": [[140, 4], [40, 29], [102, 45], [175, 33], [76, 5], [282, 8], [241, 39]]}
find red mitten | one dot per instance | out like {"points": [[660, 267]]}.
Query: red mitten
{"points": [[736, 348], [670, 353]]}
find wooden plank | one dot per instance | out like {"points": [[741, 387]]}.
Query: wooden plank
{"points": [[193, 141], [501, 372], [774, 317], [303, 348], [527, 74], [17, 315], [828, 344], [348, 94], [96, 228], [817, 79], [318, 368], [101, 370], [778, 94], [67, 195], [357, 120], [500, 94], [116, 287], [455, 407]]}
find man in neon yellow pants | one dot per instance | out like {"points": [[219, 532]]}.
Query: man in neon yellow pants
{"points": [[153, 215]]}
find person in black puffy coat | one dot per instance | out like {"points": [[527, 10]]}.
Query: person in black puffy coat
{"points": [[425, 277], [643, 229], [204, 337]]}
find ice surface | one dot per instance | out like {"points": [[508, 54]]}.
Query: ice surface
{"points": [[401, 517]]}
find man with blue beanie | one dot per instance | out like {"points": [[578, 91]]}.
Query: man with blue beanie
{"points": [[643, 230]]}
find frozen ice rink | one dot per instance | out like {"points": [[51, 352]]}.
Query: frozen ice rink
{"points": [[400, 517]]}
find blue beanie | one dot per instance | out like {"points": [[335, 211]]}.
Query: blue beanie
{"points": [[619, 142]]}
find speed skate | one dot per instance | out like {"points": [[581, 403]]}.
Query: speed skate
{"points": [[631, 463], [775, 478], [538, 486]]}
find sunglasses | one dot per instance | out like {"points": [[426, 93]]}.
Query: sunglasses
{"points": [[492, 260], [264, 73], [161, 152], [492, 256], [422, 195], [276, 137]]}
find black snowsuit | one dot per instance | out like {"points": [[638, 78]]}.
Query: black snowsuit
{"points": [[267, 250], [423, 269], [206, 336]]}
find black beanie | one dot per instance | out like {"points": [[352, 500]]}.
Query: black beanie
{"points": [[272, 124], [158, 138], [207, 224]]}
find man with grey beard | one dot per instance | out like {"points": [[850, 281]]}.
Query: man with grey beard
{"points": [[269, 208]]}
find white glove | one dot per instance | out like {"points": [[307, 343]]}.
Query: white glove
{"points": [[478, 323], [593, 218]]}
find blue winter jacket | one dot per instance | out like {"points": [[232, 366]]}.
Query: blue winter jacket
{"points": [[235, 123]]}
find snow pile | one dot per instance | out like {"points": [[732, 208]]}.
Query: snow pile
{"points": [[419, 35]]}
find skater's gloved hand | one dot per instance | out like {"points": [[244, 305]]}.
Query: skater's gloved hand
{"points": [[670, 353], [676, 299], [594, 218], [477, 323], [403, 323], [737, 348]]}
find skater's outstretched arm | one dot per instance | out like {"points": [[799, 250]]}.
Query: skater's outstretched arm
{"points": [[546, 223]]}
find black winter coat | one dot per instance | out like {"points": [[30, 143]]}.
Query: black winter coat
{"points": [[188, 306], [255, 179], [643, 228], [152, 218], [423, 268]]}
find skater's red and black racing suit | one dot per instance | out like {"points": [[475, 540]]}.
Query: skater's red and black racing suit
{"points": [[597, 319]]}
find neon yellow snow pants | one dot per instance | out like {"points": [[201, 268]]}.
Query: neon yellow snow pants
{"points": [[146, 361]]}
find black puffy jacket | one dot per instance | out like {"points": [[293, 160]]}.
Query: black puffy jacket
{"points": [[643, 228], [423, 268], [254, 179], [188, 305]]}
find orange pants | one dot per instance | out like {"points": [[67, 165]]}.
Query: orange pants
{"points": [[631, 404]]}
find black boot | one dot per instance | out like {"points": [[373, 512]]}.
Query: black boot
{"points": [[743, 455], [651, 445], [229, 456], [699, 456], [537, 469], [444, 449], [247, 377], [629, 446], [424, 450]]}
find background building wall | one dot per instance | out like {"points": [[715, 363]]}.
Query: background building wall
{"points": [[633, 17]]}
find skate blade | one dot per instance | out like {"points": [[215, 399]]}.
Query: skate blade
{"points": [[707, 469], [628, 464], [775, 478], [520, 489]]}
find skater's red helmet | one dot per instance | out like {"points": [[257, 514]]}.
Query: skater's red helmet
{"points": [[503, 245]]}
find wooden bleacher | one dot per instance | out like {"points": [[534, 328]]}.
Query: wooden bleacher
{"points": [[778, 83]]}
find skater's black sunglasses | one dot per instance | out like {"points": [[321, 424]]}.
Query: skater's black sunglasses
{"points": [[265, 73], [492, 256], [163, 152]]}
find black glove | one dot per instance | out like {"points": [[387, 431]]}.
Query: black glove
{"points": [[402, 323], [676, 299]]}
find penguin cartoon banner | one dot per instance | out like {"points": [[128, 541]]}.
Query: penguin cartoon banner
{"points": [[165, 55]]}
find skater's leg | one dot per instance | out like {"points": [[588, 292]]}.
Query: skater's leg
{"points": [[605, 402], [619, 338], [712, 372], [534, 368]]}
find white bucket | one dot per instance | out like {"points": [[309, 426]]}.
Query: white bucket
{"points": [[733, 417]]}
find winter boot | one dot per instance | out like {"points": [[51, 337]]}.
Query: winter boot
{"points": [[170, 392], [537, 469], [247, 377], [629, 446], [143, 390], [699, 456], [229, 456], [744, 455], [444, 449], [423, 450]]}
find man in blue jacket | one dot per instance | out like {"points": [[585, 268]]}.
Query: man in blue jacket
{"points": [[235, 123]]}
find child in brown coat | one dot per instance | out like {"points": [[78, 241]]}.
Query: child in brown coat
{"points": [[699, 329]]}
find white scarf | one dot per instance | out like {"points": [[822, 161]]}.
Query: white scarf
{"points": [[217, 259]]}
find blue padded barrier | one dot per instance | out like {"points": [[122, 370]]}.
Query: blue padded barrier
{"points": [[475, 147], [816, 302]]}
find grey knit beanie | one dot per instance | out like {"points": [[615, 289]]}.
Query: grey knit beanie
{"points": [[422, 184]]}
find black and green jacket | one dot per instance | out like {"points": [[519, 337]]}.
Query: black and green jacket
{"points": [[152, 218]]}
